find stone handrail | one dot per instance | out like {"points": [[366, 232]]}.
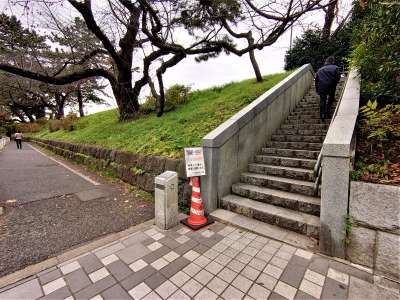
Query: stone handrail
{"points": [[4, 141], [337, 153], [231, 146]]}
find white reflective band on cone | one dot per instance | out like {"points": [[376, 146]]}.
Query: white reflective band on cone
{"points": [[195, 200], [196, 212], [196, 189]]}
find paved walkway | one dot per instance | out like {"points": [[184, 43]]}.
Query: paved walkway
{"points": [[216, 262]]}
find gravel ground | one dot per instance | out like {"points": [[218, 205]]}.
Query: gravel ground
{"points": [[34, 231]]}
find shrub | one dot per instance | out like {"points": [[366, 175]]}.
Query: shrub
{"points": [[29, 127], [68, 123], [54, 125], [174, 96]]}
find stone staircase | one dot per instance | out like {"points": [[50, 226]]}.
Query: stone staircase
{"points": [[278, 187]]}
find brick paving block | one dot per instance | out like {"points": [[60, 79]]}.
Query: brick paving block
{"points": [[304, 254], [245, 241], [108, 249], [158, 236], [155, 280], [334, 290], [283, 255], [153, 256], [203, 277], [220, 247], [273, 271], [244, 258], [215, 239], [294, 271], [61, 293], [223, 259], [138, 265], [134, 238], [136, 278], [154, 246], [90, 263], [265, 256], [227, 241], [257, 264], [227, 275], [147, 242], [250, 235], [179, 295], [109, 259], [304, 296], [236, 265], [50, 276], [152, 296], [279, 262], [267, 281], [132, 253], [192, 287], [173, 268], [250, 273], [214, 267], [166, 289], [314, 277], [211, 254], [207, 233], [216, 227], [95, 288], [77, 280], [201, 248], [98, 275], [182, 239], [116, 292], [366, 276], [206, 294], [183, 230], [180, 278], [191, 255], [231, 252], [139, 291], [202, 261], [250, 251], [182, 249], [192, 269], [311, 288], [70, 267], [226, 230], [119, 270], [152, 231], [217, 285], [258, 292], [242, 283], [159, 263], [232, 293], [27, 290], [171, 256], [285, 290], [275, 296], [319, 265], [338, 276], [53, 286], [274, 244], [269, 249], [262, 239], [170, 243], [238, 246], [288, 248], [256, 245]]}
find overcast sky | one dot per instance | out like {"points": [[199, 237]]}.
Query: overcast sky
{"points": [[228, 68]]}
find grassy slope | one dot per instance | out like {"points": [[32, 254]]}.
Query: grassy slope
{"points": [[183, 127]]}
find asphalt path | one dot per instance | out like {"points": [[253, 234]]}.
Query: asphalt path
{"points": [[27, 175]]}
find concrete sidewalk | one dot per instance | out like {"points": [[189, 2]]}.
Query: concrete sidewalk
{"points": [[217, 262]]}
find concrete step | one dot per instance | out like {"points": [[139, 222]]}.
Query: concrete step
{"points": [[288, 172], [305, 126], [286, 161], [286, 218], [295, 145], [280, 183], [298, 138], [290, 153], [265, 229], [320, 132], [308, 121], [306, 204]]}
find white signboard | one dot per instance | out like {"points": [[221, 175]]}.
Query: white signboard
{"points": [[194, 162]]}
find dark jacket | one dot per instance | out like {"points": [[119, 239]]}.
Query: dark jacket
{"points": [[327, 78]]}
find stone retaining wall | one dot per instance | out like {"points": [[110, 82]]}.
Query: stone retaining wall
{"points": [[134, 168], [375, 235], [4, 141]]}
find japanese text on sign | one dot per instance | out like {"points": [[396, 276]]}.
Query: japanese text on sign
{"points": [[194, 162]]}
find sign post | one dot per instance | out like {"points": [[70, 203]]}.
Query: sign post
{"points": [[195, 167]]}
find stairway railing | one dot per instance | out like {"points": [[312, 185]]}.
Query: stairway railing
{"points": [[317, 167]]}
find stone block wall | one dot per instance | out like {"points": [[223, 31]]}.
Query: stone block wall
{"points": [[134, 168], [4, 141], [375, 235]]}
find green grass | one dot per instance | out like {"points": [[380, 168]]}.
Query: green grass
{"points": [[167, 136]]}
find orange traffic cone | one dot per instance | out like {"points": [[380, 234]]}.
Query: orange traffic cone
{"points": [[196, 220]]}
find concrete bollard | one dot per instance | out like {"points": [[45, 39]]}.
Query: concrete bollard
{"points": [[166, 200]]}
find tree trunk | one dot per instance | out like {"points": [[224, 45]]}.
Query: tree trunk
{"points": [[60, 101], [80, 102], [255, 66], [329, 17], [127, 99]]}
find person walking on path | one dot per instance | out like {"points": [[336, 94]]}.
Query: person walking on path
{"points": [[18, 139], [326, 79]]}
